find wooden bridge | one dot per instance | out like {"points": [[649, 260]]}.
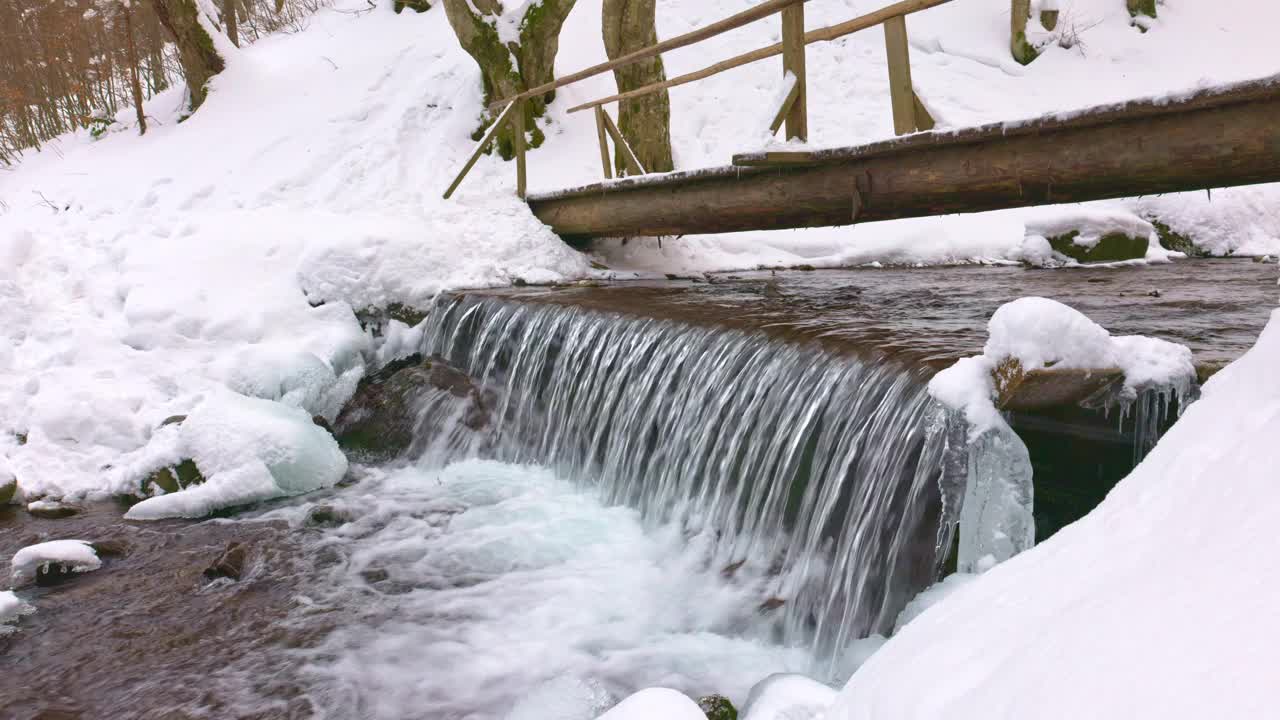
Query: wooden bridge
{"points": [[1213, 138]]}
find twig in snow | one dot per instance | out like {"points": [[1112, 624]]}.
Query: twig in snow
{"points": [[334, 64], [46, 201]]}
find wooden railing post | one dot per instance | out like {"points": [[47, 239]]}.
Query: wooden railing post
{"points": [[517, 129], [900, 91], [793, 62], [604, 144]]}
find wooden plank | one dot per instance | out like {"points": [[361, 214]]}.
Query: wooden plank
{"points": [[628, 157], [746, 17], [826, 34], [924, 120], [898, 55], [1221, 138], [774, 158], [604, 145], [793, 62], [517, 129], [784, 110], [480, 148]]}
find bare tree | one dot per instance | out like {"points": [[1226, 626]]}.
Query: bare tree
{"points": [[494, 39], [200, 59], [644, 121], [1023, 51], [135, 79]]}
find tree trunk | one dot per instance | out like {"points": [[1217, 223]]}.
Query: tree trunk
{"points": [[644, 121], [135, 80], [229, 20], [200, 60], [534, 52], [1022, 50]]}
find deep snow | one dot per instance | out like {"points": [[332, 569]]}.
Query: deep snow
{"points": [[141, 275], [1156, 604]]}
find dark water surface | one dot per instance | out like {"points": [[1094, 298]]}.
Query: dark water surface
{"points": [[939, 314]]}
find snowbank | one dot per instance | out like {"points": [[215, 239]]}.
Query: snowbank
{"points": [[653, 703], [248, 450], [787, 697], [1159, 603], [77, 555]]}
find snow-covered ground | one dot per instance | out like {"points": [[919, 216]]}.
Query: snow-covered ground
{"points": [[143, 275], [1157, 604]]}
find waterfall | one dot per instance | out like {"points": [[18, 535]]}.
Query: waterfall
{"points": [[823, 467]]}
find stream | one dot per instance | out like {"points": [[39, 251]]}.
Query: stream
{"points": [[691, 483]]}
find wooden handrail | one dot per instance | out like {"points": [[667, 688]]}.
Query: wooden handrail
{"points": [[833, 32], [746, 17]]}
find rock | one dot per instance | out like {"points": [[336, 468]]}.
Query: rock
{"points": [[1112, 247], [173, 420], [376, 318], [8, 488], [172, 479], [382, 420], [418, 6], [804, 267], [321, 422], [52, 509], [230, 564], [771, 604], [717, 707], [111, 547], [326, 516], [1018, 389], [1176, 241]]}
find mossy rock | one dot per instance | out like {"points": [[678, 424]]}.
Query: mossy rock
{"points": [[1112, 247], [172, 479], [8, 490], [1142, 7], [418, 6], [1173, 240], [717, 707], [381, 420]]}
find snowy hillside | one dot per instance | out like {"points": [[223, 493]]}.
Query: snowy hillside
{"points": [[143, 273]]}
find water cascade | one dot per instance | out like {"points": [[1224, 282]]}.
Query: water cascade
{"points": [[822, 468]]}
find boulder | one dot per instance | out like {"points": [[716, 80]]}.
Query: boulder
{"points": [[385, 416], [230, 564], [1022, 390], [172, 479], [1112, 247], [8, 488], [717, 707], [52, 509]]}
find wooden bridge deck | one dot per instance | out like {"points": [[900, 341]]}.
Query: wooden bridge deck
{"points": [[1215, 138]]}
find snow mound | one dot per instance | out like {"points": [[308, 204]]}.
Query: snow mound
{"points": [[652, 703], [11, 608], [1169, 583], [77, 555], [787, 696], [248, 450], [931, 596]]}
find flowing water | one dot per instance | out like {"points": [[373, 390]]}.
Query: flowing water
{"points": [[691, 504]]}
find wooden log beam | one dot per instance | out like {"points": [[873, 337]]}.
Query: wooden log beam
{"points": [[746, 17], [898, 58], [826, 34], [793, 64], [1218, 138]]}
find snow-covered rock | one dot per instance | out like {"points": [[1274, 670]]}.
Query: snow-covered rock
{"points": [[11, 608], [248, 449], [1159, 603], [787, 697], [72, 555], [652, 703]]}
